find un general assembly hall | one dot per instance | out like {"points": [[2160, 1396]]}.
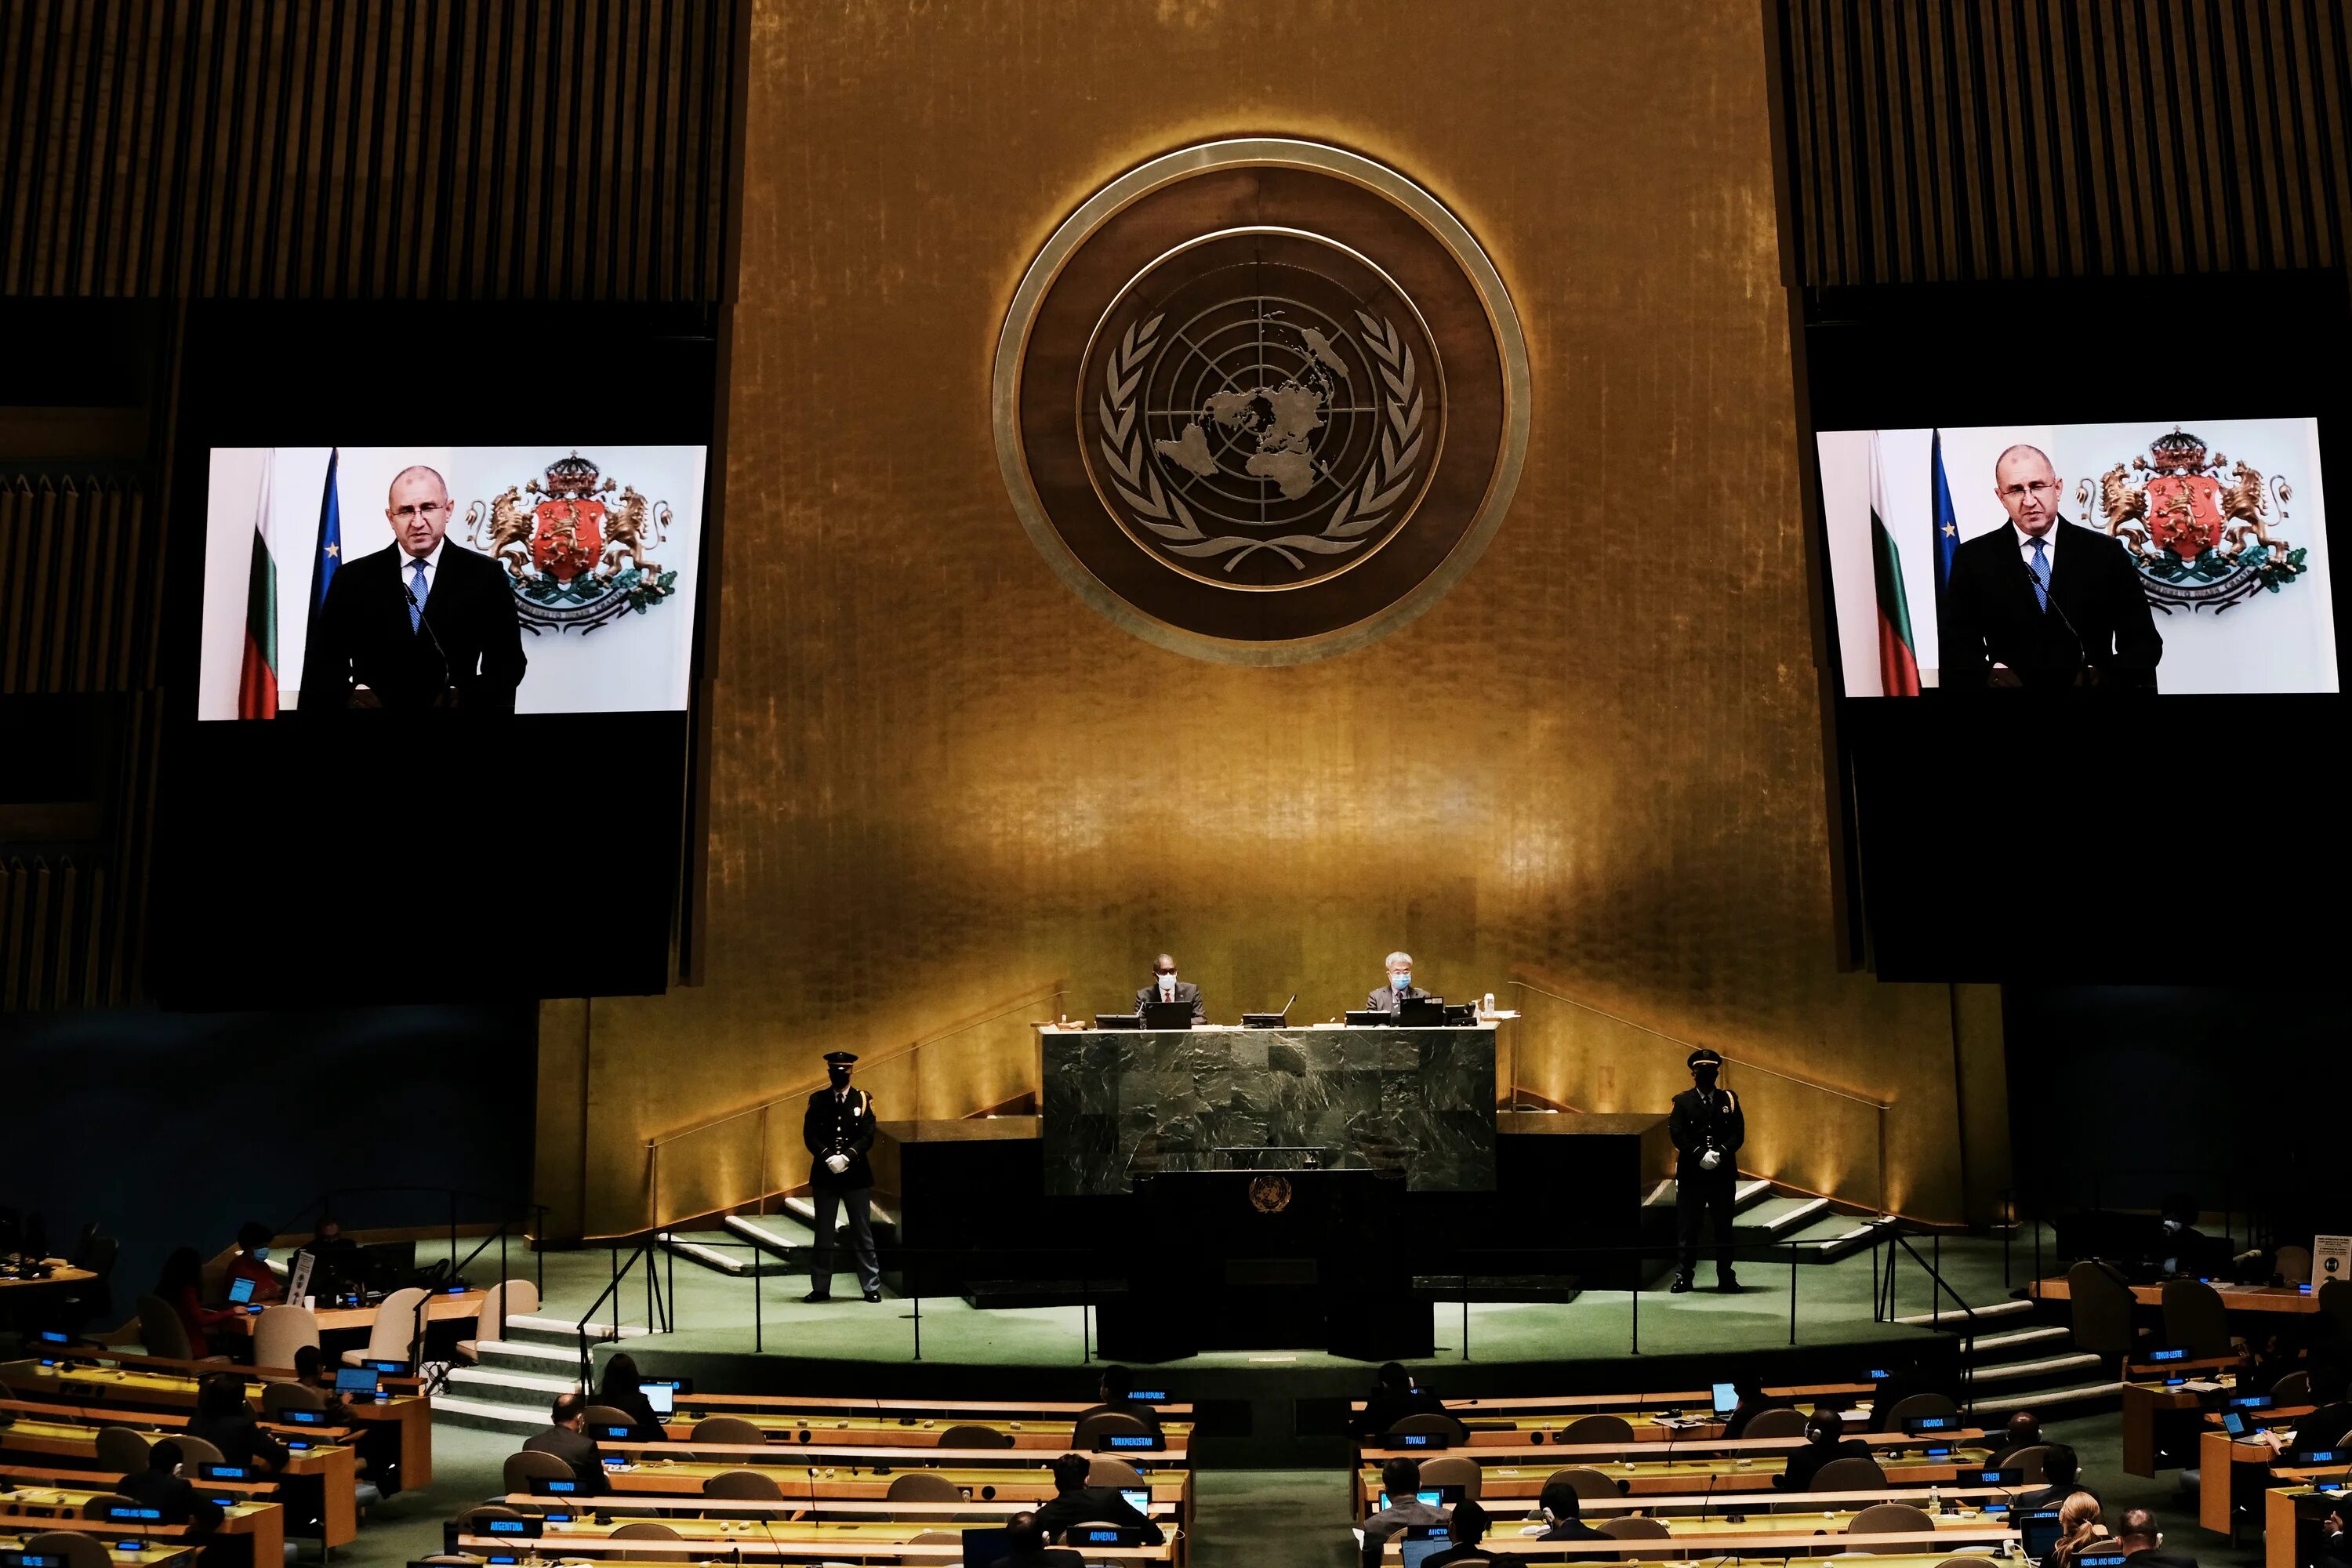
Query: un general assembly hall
{"points": [[1163, 784]]}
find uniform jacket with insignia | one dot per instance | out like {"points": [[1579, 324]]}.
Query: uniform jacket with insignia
{"points": [[1708, 1119], [844, 1126]]}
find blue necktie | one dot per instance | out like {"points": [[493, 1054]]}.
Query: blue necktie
{"points": [[2040, 567], [416, 588]]}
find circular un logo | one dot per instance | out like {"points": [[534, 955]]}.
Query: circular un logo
{"points": [[1261, 401], [1269, 1194]]}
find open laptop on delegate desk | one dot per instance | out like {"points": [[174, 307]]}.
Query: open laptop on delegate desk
{"points": [[1168, 1015], [1270, 1020], [1420, 1012]]}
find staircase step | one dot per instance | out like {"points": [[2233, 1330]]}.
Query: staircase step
{"points": [[779, 1235], [1750, 1191], [557, 1331], [523, 1393], [486, 1415], [528, 1356], [1835, 1237], [802, 1208], [1953, 1319], [2031, 1373], [1777, 1219], [1983, 1349], [729, 1257], [2082, 1399]]}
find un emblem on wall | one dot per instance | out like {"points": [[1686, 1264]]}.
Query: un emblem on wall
{"points": [[1261, 401]]}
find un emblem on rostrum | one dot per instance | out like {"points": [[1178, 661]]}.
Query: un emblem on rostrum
{"points": [[1300, 401]]}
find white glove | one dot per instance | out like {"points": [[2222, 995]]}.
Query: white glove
{"points": [[837, 1164], [1710, 1159]]}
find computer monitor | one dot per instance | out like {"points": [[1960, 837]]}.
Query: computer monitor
{"points": [[1435, 1497], [661, 1396], [1367, 1018], [356, 1379], [2037, 1534], [1727, 1399], [240, 1290], [1419, 1545], [1421, 1012], [1168, 1015], [2233, 1422], [1102, 1021], [985, 1548]]}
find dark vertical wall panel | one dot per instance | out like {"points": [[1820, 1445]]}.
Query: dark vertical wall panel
{"points": [[367, 148], [1940, 140]]}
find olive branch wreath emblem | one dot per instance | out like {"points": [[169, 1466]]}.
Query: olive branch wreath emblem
{"points": [[1386, 478]]}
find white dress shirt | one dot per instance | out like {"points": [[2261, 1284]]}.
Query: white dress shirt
{"points": [[2049, 545]]}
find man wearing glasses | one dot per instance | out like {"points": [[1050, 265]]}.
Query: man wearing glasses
{"points": [[2043, 603], [422, 624]]}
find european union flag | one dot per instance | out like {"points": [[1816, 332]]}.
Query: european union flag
{"points": [[328, 554], [1947, 523]]}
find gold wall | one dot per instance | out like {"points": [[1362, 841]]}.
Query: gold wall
{"points": [[942, 784]]}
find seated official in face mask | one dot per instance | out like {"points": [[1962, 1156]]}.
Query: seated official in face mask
{"points": [[1166, 987], [1400, 989]]}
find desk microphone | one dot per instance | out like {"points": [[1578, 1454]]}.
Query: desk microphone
{"points": [[1706, 1501], [423, 620]]}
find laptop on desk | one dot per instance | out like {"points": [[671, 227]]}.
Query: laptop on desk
{"points": [[1270, 1020], [1115, 1021], [1168, 1015], [1420, 1012]]}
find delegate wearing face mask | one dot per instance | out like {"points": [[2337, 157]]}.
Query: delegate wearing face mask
{"points": [[1165, 986], [1388, 998]]}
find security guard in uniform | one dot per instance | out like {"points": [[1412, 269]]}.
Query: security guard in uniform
{"points": [[1709, 1128], [838, 1129]]}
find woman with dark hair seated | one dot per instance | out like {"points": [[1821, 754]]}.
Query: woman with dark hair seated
{"points": [[181, 1287], [619, 1391]]}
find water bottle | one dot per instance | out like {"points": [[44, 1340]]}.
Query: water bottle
{"points": [[1935, 1499], [1490, 1004]]}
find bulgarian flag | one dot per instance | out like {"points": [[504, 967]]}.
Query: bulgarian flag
{"points": [[1898, 656], [256, 680]]}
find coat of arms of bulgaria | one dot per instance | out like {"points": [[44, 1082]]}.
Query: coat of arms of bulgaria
{"points": [[2200, 540], [580, 555]]}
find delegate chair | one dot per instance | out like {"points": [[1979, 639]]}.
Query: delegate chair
{"points": [[1596, 1429], [1435, 1422], [70, 1547], [2292, 1388], [1109, 1470], [2194, 1318], [398, 1326], [2335, 1301], [1777, 1424], [476, 1520], [649, 1530], [1852, 1474], [507, 1298], [1891, 1518], [2292, 1264], [2031, 1461], [1587, 1483], [971, 1435], [97, 1506], [121, 1450], [742, 1486], [2100, 1305], [162, 1332], [529, 1465], [1451, 1471], [601, 1415], [1105, 1424], [1633, 1529], [277, 1398], [923, 1485], [195, 1452], [1920, 1407], [279, 1331], [732, 1429]]}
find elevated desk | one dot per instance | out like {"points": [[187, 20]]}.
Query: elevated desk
{"points": [[2235, 1297]]}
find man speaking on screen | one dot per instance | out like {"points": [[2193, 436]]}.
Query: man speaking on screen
{"points": [[2042, 602], [420, 623]]}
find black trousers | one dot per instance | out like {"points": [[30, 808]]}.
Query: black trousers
{"points": [[1697, 1197], [858, 1202]]}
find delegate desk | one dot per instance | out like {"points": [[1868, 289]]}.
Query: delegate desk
{"points": [[912, 1432], [1740, 1540], [825, 1544], [449, 1305], [945, 1514], [821, 1474], [61, 1498], [158, 1545], [1748, 1465], [2284, 1524], [2164, 1412], [2235, 1297], [326, 1471], [1520, 1407], [701, 1540], [402, 1460], [754, 1406]]}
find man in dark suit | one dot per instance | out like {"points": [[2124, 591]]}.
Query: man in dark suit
{"points": [[2042, 602], [1563, 1513], [1166, 987], [419, 623], [2143, 1543], [2062, 1473], [1395, 1396], [160, 1485], [567, 1438], [1707, 1128], [1076, 1502], [837, 1129], [1118, 1388], [1825, 1439], [1400, 989], [1401, 1479], [2335, 1541]]}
